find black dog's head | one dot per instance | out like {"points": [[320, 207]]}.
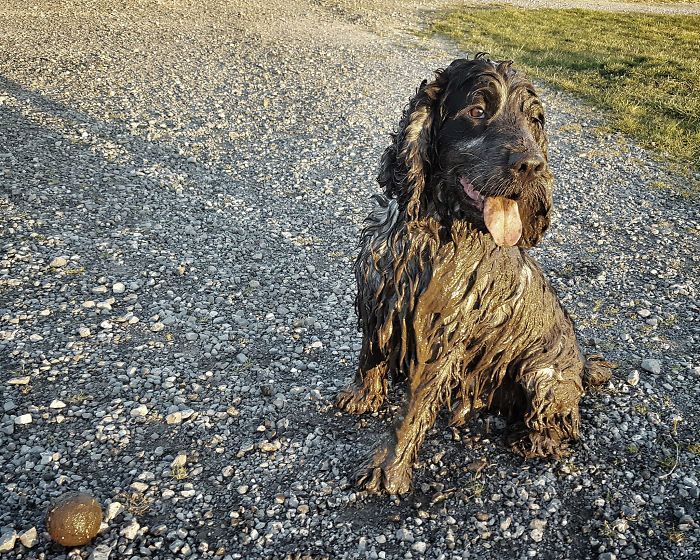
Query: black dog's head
{"points": [[471, 145]]}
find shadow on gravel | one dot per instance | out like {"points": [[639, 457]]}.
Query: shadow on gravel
{"points": [[121, 207]]}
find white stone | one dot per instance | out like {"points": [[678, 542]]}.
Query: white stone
{"points": [[130, 531], [179, 460], [23, 419], [139, 486], [7, 540], [84, 332], [113, 510], [270, 446], [29, 538], [141, 410], [118, 288], [58, 262], [157, 327], [537, 535], [174, 418], [36, 338], [56, 404], [633, 378]]}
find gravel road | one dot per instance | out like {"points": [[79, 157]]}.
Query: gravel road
{"points": [[182, 185]]}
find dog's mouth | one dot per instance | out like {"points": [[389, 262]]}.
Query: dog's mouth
{"points": [[501, 215]]}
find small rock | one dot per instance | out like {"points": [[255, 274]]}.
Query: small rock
{"points": [[179, 460], [29, 538], [100, 552], [191, 336], [270, 446], [420, 547], [84, 332], [118, 288], [7, 540], [113, 511], [644, 313], [36, 338], [174, 418], [139, 486], [139, 411], [404, 534], [56, 404], [23, 419], [129, 532], [58, 262], [633, 378], [652, 366], [157, 327]]}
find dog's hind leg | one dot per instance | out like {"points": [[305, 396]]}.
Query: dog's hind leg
{"points": [[390, 466], [552, 414], [369, 388]]}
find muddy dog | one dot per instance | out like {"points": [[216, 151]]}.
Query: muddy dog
{"points": [[448, 299]]}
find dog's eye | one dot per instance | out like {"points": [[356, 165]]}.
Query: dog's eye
{"points": [[477, 113], [537, 121]]}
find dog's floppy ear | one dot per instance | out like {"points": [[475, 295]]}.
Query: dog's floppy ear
{"points": [[406, 164]]}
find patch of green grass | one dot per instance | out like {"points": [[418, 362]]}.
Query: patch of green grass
{"points": [[643, 70], [657, 2]]}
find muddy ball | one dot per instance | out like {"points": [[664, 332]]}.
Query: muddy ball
{"points": [[74, 519]]}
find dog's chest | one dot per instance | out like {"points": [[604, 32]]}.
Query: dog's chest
{"points": [[470, 273]]}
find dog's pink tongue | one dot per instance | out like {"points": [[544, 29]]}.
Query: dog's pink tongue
{"points": [[502, 219]]}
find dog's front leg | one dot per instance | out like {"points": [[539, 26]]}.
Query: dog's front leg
{"points": [[369, 388], [552, 415], [390, 466]]}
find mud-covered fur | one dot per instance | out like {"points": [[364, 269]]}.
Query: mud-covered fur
{"points": [[467, 323]]}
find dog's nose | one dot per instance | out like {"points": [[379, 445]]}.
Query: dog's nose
{"points": [[527, 165]]}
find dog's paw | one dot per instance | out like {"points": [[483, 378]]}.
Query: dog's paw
{"points": [[358, 400], [597, 372], [545, 444], [392, 481], [380, 475]]}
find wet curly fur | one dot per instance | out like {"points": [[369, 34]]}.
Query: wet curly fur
{"points": [[468, 323]]}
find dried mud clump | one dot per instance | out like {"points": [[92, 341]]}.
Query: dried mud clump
{"points": [[74, 519]]}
